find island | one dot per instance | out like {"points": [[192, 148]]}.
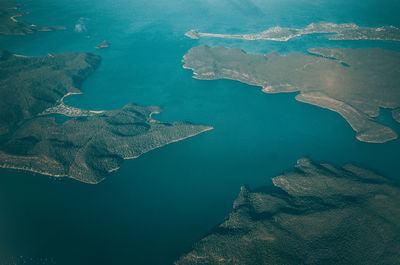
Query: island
{"points": [[346, 31], [103, 44], [11, 25], [355, 83], [40, 133], [316, 214]]}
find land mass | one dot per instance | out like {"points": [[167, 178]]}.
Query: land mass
{"points": [[31, 85], [355, 83], [347, 31], [11, 25], [86, 145], [316, 214], [89, 148]]}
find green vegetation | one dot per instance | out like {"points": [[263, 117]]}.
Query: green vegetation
{"points": [[89, 145], [30, 85], [11, 25], [316, 214]]}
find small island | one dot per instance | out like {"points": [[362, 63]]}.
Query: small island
{"points": [[11, 25], [104, 44], [347, 31], [316, 214], [86, 145], [355, 83]]}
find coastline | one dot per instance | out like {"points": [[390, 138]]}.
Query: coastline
{"points": [[208, 63], [172, 141], [356, 125], [13, 17], [45, 173], [345, 31], [367, 130], [10, 25]]}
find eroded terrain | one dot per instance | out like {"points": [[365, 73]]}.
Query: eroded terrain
{"points": [[316, 214]]}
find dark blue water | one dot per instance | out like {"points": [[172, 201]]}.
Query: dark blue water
{"points": [[155, 207]]}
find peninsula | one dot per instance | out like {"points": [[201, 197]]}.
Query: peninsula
{"points": [[355, 83], [11, 25], [316, 214], [87, 145], [347, 31]]}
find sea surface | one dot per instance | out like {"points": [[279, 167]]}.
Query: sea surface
{"points": [[155, 207]]}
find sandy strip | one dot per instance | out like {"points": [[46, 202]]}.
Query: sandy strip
{"points": [[13, 18]]}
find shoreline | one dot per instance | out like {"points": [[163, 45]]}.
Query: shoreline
{"points": [[343, 31], [172, 141], [44, 173], [16, 21], [303, 98], [12, 25], [360, 120], [64, 108]]}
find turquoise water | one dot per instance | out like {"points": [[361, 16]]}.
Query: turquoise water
{"points": [[155, 207]]}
